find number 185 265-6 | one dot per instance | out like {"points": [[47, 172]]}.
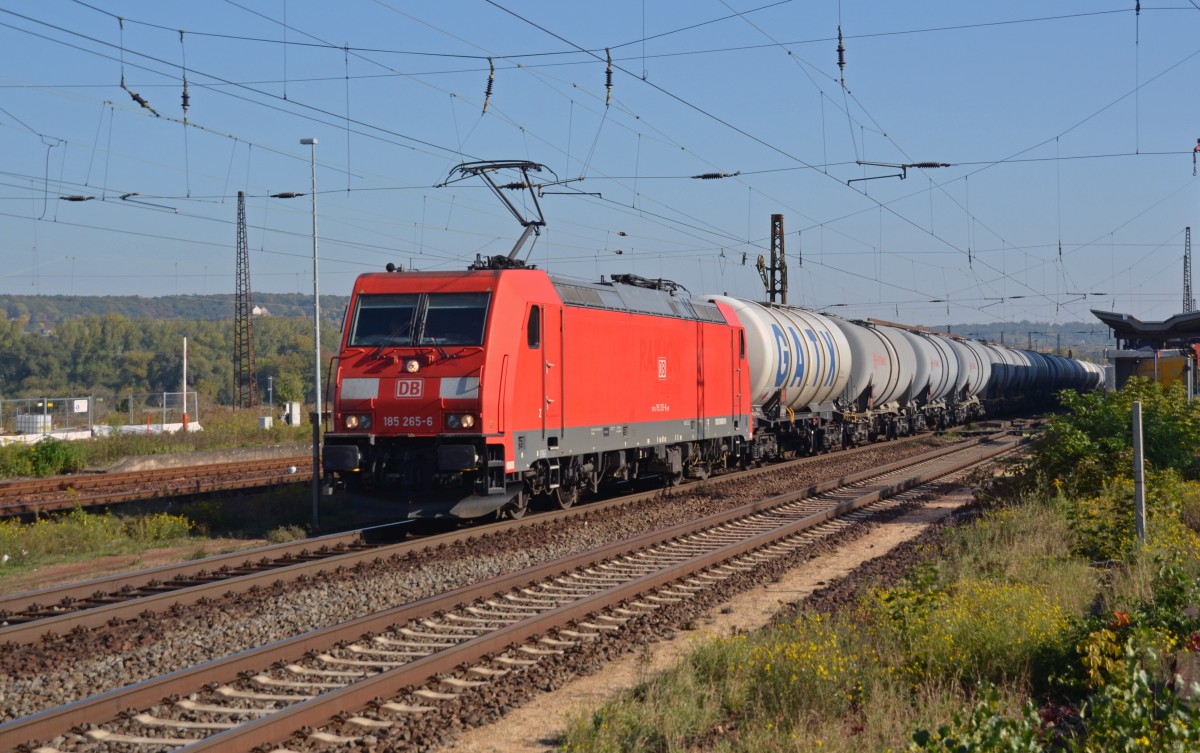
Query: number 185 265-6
{"points": [[408, 422]]}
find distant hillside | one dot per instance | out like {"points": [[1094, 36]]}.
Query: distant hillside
{"points": [[1082, 338], [49, 311]]}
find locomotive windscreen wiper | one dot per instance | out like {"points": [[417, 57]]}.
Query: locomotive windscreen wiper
{"points": [[392, 340]]}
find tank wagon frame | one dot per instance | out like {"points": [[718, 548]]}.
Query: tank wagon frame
{"points": [[465, 394]]}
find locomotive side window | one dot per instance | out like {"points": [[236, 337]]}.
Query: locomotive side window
{"points": [[533, 331], [384, 320], [454, 319], [741, 344]]}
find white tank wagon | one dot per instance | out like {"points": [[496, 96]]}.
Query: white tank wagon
{"points": [[975, 371], [937, 362], [881, 387], [1084, 377], [979, 377], [924, 358], [1095, 378], [968, 368], [950, 365], [1092, 377], [883, 366], [798, 359]]}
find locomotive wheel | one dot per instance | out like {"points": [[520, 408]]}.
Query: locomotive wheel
{"points": [[516, 509], [566, 496], [570, 486]]}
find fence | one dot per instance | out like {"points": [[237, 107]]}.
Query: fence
{"points": [[97, 414]]}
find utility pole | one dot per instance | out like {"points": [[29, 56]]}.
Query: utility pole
{"points": [[244, 370], [775, 277], [1139, 474]]}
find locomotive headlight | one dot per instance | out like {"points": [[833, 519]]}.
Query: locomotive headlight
{"points": [[412, 366], [459, 420], [357, 421]]}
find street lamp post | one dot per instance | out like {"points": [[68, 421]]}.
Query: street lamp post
{"points": [[316, 422]]}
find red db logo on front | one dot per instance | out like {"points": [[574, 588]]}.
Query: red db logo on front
{"points": [[409, 388]]}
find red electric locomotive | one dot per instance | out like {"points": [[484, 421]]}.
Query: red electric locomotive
{"points": [[463, 394]]}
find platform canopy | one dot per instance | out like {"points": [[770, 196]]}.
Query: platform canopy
{"points": [[1178, 331]]}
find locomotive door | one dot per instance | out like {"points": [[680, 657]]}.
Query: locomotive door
{"points": [[701, 409], [552, 375], [739, 359]]}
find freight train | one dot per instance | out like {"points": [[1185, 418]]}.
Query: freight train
{"points": [[467, 394]]}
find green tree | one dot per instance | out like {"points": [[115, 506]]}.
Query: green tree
{"points": [[289, 387]]}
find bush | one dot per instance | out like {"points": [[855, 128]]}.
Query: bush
{"points": [[1103, 524], [284, 534], [158, 527], [1092, 442], [16, 460], [972, 630], [1189, 507], [671, 712], [1139, 713], [53, 456], [80, 533], [984, 730], [807, 664]]}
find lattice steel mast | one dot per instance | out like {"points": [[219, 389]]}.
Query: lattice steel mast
{"points": [[244, 372], [1189, 303], [774, 277]]}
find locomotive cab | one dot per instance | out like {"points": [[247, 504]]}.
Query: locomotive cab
{"points": [[410, 424]]}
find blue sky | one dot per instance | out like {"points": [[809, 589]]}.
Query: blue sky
{"points": [[1068, 127]]}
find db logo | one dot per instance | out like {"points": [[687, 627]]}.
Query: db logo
{"points": [[408, 388], [662, 368]]}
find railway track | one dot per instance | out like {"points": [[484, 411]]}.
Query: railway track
{"points": [[401, 665], [30, 616], [30, 496]]}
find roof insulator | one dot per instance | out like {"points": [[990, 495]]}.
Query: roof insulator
{"points": [[608, 78], [487, 93]]}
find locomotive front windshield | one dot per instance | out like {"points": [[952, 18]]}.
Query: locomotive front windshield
{"points": [[398, 320]]}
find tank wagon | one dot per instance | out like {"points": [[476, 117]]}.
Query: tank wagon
{"points": [[465, 394]]}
